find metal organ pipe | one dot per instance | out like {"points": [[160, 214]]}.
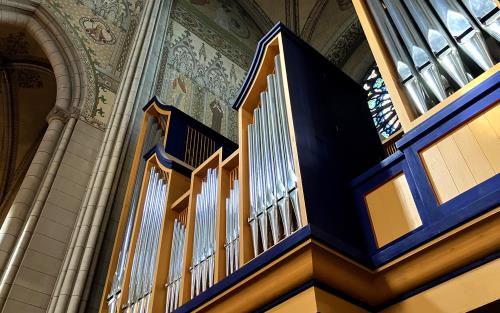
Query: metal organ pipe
{"points": [[142, 272], [232, 229], [202, 269], [272, 179], [442, 46], [422, 59], [152, 136], [175, 266], [487, 15], [466, 34]]}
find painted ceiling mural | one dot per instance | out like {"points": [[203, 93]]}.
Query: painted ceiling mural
{"points": [[102, 31], [210, 45]]}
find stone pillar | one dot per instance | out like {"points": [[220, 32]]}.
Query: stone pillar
{"points": [[150, 75], [73, 276], [57, 118], [18, 212]]}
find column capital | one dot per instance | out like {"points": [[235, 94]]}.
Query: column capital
{"points": [[57, 114]]}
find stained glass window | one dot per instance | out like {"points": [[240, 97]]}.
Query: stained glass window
{"points": [[380, 104]]}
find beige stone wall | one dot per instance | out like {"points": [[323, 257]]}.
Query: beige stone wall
{"points": [[42, 262]]}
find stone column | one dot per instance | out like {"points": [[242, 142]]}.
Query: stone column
{"points": [[18, 212], [146, 90], [79, 257], [56, 117]]}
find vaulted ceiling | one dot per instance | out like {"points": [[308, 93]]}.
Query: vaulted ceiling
{"points": [[330, 26]]}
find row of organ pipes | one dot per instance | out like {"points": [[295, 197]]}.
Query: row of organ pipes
{"points": [[146, 248], [175, 267], [272, 179], [203, 260], [431, 42], [153, 136], [274, 209]]}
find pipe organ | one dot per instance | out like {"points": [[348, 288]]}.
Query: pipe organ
{"points": [[428, 51], [306, 213]]}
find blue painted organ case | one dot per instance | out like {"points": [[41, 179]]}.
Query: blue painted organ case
{"points": [[329, 127]]}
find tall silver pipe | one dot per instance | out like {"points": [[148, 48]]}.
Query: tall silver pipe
{"points": [[170, 279], [196, 252], [487, 15], [139, 244], [406, 71], [202, 270], [180, 262], [232, 229], [463, 31], [260, 179], [252, 186], [269, 168], [291, 178], [175, 268], [422, 59], [279, 156], [236, 223], [228, 226], [441, 44]]}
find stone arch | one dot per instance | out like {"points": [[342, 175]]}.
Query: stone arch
{"points": [[71, 92], [59, 49]]}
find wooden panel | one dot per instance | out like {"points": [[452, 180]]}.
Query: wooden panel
{"points": [[460, 173], [493, 117], [461, 294], [302, 302], [440, 176], [392, 210], [473, 155], [246, 252], [330, 303], [488, 140], [465, 157]]}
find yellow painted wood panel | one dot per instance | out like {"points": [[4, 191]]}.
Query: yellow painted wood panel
{"points": [[460, 294], [329, 303], [493, 116], [488, 140], [455, 162], [392, 210], [473, 155], [302, 302], [440, 176], [313, 300]]}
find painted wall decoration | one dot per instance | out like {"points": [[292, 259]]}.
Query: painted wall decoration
{"points": [[200, 81], [102, 31], [210, 44], [98, 30]]}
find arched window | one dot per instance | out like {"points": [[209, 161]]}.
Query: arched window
{"points": [[380, 104]]}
